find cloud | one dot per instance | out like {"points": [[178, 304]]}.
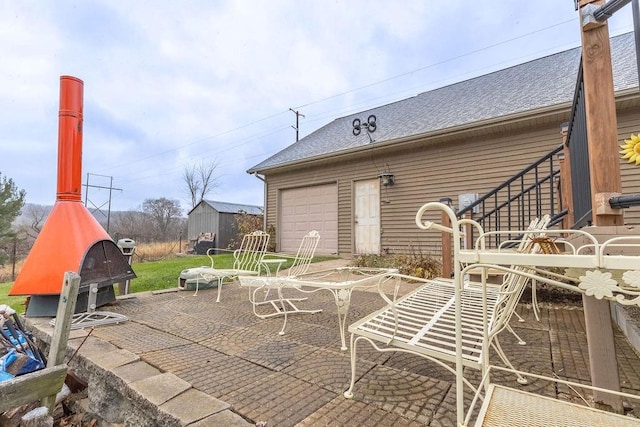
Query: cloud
{"points": [[169, 84]]}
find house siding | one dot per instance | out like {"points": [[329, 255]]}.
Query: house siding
{"points": [[629, 123], [474, 162]]}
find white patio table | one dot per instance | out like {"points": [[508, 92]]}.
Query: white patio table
{"points": [[340, 281]]}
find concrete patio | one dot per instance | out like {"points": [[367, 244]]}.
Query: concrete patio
{"points": [[185, 360]]}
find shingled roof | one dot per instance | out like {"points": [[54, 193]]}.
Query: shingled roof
{"points": [[527, 87]]}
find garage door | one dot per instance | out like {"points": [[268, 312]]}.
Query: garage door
{"points": [[309, 208]]}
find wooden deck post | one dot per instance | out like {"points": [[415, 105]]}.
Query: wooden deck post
{"points": [[604, 163]]}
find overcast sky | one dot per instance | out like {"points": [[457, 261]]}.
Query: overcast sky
{"points": [[168, 84]]}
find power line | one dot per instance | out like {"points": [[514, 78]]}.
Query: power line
{"points": [[201, 140], [436, 64]]}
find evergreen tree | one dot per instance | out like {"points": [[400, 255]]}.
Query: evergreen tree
{"points": [[11, 202]]}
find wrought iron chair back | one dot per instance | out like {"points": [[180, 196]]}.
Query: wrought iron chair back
{"points": [[247, 261], [513, 284], [305, 254], [252, 249]]}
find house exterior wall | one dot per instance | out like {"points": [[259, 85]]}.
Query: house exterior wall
{"points": [[473, 162], [629, 124]]}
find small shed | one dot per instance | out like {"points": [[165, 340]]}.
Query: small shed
{"points": [[213, 224]]}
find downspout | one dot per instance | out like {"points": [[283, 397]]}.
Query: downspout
{"points": [[264, 197]]}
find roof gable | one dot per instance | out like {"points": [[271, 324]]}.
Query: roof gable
{"points": [[233, 208], [534, 85]]}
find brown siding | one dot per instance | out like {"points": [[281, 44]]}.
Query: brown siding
{"points": [[628, 124], [428, 172]]}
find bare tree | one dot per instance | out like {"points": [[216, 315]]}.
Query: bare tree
{"points": [[34, 218], [199, 180], [133, 224], [162, 212]]}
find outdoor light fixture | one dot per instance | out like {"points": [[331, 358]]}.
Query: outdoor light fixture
{"points": [[387, 179], [447, 201]]}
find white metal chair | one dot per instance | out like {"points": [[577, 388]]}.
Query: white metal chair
{"points": [[450, 322], [281, 305], [247, 261]]}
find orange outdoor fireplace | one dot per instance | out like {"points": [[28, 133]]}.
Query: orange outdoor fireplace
{"points": [[71, 238]]}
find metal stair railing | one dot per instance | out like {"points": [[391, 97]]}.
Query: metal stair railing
{"points": [[532, 192]]}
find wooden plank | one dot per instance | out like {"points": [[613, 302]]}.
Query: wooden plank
{"points": [[64, 315], [30, 387]]}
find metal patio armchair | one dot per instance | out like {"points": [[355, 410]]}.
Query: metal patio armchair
{"points": [[247, 261], [282, 305]]}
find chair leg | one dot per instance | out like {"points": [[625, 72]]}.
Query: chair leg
{"points": [[284, 310], [496, 345], [349, 393], [520, 340], [534, 301], [219, 289], [520, 319]]}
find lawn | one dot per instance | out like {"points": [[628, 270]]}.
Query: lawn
{"points": [[153, 275]]}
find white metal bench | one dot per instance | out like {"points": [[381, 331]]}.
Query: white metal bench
{"points": [[508, 407], [591, 266], [425, 321]]}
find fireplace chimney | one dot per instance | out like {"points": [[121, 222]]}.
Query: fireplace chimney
{"points": [[70, 139], [71, 238]]}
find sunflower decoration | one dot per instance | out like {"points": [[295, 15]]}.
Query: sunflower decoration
{"points": [[631, 149]]}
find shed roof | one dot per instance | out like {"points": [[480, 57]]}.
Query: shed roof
{"points": [[527, 87], [225, 207]]}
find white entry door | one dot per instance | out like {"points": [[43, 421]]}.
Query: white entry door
{"points": [[367, 217]]}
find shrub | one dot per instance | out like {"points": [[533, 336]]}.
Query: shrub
{"points": [[412, 264], [271, 231]]}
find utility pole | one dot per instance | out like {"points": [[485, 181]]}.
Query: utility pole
{"points": [[604, 164], [297, 127]]}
